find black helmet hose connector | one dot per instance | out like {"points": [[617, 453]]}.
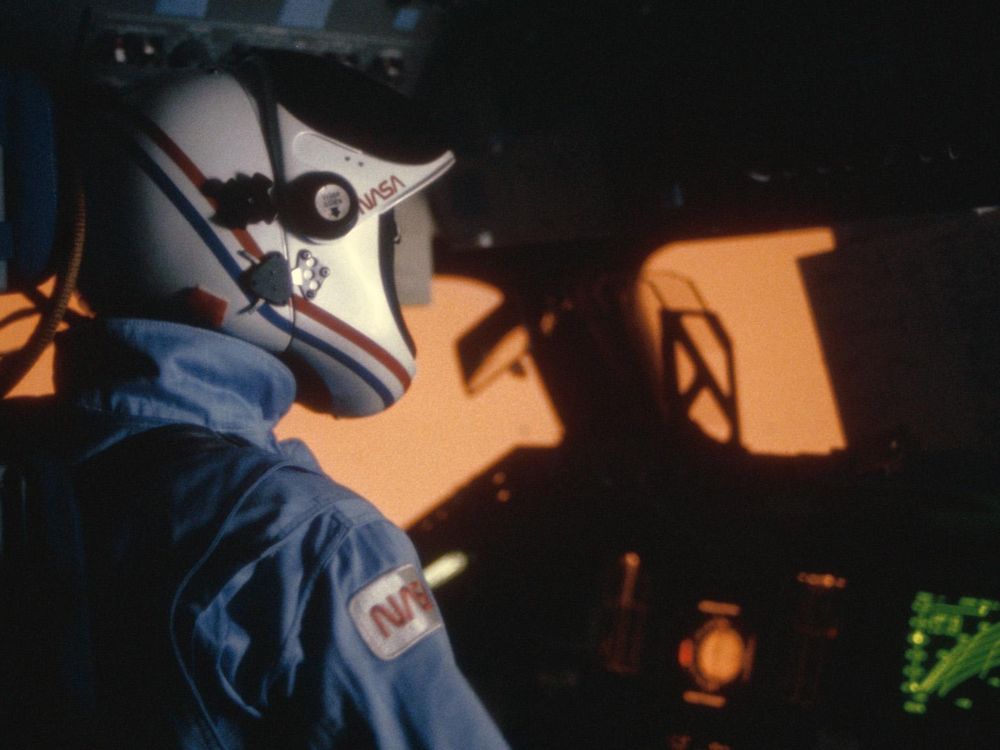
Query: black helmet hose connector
{"points": [[320, 206]]}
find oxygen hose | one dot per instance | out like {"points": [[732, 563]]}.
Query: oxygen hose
{"points": [[14, 366]]}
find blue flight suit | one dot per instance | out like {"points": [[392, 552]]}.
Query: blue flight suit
{"points": [[241, 597]]}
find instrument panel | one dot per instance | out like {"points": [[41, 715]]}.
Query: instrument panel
{"points": [[389, 41], [773, 606]]}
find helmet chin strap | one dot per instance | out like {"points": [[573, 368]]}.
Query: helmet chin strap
{"points": [[258, 78]]}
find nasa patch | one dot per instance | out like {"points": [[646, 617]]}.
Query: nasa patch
{"points": [[394, 612]]}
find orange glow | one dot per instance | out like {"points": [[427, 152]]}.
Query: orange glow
{"points": [[785, 400], [630, 563], [685, 653], [822, 580], [719, 608], [413, 456], [719, 656], [698, 698]]}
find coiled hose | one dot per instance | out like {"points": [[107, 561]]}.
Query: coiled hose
{"points": [[14, 366]]}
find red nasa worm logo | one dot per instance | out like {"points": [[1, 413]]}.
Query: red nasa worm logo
{"points": [[398, 609], [380, 193], [394, 612]]}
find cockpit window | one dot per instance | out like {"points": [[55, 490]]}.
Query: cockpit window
{"points": [[447, 429], [732, 341]]}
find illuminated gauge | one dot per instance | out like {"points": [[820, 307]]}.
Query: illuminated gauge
{"points": [[716, 656], [952, 655]]}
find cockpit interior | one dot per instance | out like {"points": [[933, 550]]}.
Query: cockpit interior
{"points": [[743, 260]]}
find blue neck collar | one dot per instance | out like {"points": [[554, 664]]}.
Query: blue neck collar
{"points": [[148, 372]]}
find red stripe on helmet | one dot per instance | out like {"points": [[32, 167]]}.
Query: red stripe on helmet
{"points": [[305, 307], [176, 154]]}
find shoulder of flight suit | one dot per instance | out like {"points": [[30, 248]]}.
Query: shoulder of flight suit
{"points": [[334, 626], [365, 650]]}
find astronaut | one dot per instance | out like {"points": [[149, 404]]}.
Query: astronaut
{"points": [[239, 256]]}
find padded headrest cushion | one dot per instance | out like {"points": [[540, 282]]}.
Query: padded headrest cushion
{"points": [[29, 191]]}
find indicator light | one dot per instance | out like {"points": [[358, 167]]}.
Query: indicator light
{"points": [[815, 627], [698, 698], [621, 647], [718, 655], [447, 567]]}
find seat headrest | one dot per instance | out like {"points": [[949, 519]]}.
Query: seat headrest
{"points": [[29, 188]]}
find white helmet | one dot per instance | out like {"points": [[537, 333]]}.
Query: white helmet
{"points": [[257, 200]]}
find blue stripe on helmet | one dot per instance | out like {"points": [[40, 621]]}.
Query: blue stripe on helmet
{"points": [[351, 364], [188, 211]]}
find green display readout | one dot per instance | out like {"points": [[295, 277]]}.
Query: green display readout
{"points": [[953, 654]]}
